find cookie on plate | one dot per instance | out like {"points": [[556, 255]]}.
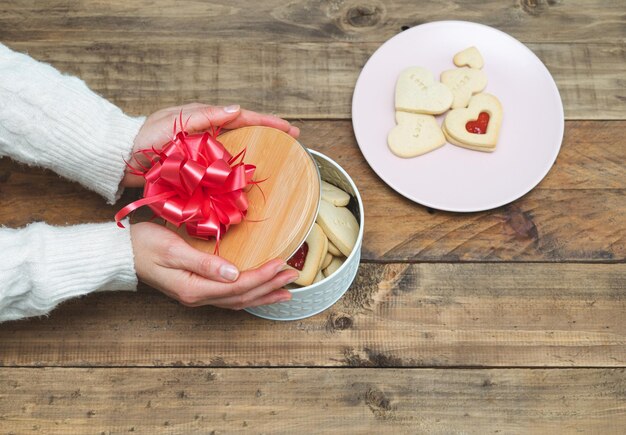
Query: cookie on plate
{"points": [[469, 57], [414, 135], [464, 82], [478, 126], [417, 91]]}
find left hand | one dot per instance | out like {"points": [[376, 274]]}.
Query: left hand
{"points": [[157, 130], [166, 262]]}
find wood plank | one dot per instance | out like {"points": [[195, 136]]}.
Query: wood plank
{"points": [[575, 214], [295, 80], [310, 20], [286, 401], [395, 315]]}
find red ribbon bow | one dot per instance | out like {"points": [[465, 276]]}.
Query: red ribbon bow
{"points": [[194, 180]]}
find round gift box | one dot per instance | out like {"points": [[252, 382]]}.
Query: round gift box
{"points": [[308, 301]]}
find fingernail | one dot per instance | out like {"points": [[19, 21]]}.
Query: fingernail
{"points": [[285, 298], [293, 278], [232, 108], [229, 272]]}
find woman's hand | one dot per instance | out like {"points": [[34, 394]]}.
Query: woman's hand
{"points": [[166, 262], [157, 130]]}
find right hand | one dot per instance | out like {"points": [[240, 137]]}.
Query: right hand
{"points": [[166, 262], [157, 129]]}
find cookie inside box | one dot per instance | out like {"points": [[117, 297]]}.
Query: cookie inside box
{"points": [[331, 175], [312, 299]]}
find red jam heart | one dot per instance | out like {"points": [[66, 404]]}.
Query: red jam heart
{"points": [[297, 260], [480, 125]]}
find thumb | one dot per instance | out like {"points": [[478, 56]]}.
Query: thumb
{"points": [[206, 265], [212, 116]]}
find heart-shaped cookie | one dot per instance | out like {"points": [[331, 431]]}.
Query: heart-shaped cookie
{"points": [[464, 82], [450, 139], [414, 135], [470, 128], [417, 91], [334, 195], [469, 57], [339, 225], [316, 247]]}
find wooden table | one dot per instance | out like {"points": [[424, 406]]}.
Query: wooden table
{"points": [[511, 320]]}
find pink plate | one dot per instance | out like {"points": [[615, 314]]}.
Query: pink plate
{"points": [[453, 178]]}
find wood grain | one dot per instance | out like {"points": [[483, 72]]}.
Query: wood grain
{"points": [[539, 283], [286, 401], [310, 20], [394, 315], [285, 167], [295, 80], [575, 214]]}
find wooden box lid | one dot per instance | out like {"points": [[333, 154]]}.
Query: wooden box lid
{"points": [[279, 218]]}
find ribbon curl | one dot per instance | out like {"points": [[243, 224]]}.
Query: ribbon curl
{"points": [[194, 181]]}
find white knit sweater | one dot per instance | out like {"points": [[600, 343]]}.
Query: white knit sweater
{"points": [[53, 120]]}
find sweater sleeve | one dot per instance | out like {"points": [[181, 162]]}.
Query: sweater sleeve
{"points": [[53, 120], [42, 266]]}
